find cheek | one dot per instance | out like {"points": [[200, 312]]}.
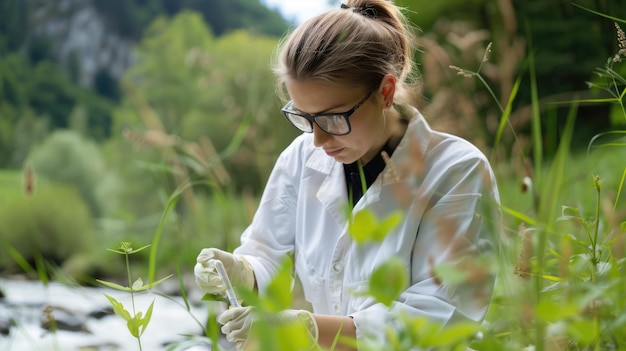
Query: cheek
{"points": [[358, 142], [366, 131]]}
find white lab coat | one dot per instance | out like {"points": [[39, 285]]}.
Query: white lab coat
{"points": [[442, 184]]}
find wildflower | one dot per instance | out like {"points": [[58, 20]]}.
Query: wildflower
{"points": [[29, 180], [487, 53], [522, 267], [621, 42], [460, 71], [527, 184]]}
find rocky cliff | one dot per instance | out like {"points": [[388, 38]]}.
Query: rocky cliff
{"points": [[79, 38]]}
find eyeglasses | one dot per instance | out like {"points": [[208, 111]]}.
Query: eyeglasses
{"points": [[332, 123]]}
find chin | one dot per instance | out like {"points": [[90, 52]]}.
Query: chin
{"points": [[345, 160]]}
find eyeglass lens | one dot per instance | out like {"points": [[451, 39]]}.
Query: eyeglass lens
{"points": [[334, 124]]}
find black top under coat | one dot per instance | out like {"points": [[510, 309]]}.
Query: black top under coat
{"points": [[371, 170]]}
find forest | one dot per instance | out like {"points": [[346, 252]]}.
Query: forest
{"points": [[156, 122]]}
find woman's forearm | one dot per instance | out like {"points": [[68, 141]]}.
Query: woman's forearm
{"points": [[331, 326]]}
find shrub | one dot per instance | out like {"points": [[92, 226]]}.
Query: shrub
{"points": [[68, 158], [54, 224]]}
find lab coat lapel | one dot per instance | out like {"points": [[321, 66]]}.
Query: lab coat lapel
{"points": [[405, 163], [332, 192]]}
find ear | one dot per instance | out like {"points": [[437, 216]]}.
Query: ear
{"points": [[388, 89]]}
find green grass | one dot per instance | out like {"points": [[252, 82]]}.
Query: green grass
{"points": [[10, 184], [577, 185]]}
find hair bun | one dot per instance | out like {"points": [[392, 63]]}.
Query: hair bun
{"points": [[368, 11]]}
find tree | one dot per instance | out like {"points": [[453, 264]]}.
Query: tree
{"points": [[129, 18], [189, 87]]}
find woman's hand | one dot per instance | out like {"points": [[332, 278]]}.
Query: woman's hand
{"points": [[237, 268], [238, 323]]}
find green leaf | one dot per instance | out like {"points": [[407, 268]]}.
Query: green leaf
{"points": [[117, 251], [519, 215], [213, 297], [551, 311], [126, 249], [583, 331], [118, 308], [366, 227], [134, 251], [148, 286], [456, 333], [387, 225], [136, 287], [450, 274], [113, 285], [146, 320], [361, 226], [138, 284], [388, 281], [250, 297], [133, 325], [278, 295]]}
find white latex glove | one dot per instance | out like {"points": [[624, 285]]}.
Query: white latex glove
{"points": [[238, 269], [238, 322]]}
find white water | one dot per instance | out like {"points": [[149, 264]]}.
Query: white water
{"points": [[25, 300]]}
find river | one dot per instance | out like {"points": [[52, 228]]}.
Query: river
{"points": [[24, 302]]}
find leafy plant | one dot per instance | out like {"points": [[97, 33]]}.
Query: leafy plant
{"points": [[364, 226], [569, 268], [136, 322]]}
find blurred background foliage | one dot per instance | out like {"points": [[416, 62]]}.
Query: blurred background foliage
{"points": [[107, 107]]}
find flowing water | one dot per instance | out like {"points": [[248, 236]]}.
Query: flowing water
{"points": [[25, 301]]}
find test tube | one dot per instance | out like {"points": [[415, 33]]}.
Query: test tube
{"points": [[230, 292]]}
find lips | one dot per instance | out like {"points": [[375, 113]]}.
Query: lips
{"points": [[333, 153]]}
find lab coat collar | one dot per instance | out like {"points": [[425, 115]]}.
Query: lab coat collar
{"points": [[417, 131], [411, 150], [332, 193]]}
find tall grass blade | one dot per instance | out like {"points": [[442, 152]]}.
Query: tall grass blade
{"points": [[504, 119], [537, 135], [171, 204], [599, 135], [19, 259], [600, 13], [619, 189]]}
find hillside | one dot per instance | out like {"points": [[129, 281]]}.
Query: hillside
{"points": [[93, 40]]}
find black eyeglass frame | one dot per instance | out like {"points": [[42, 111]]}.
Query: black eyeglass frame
{"points": [[286, 110]]}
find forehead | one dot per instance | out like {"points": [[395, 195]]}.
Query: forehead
{"points": [[315, 96]]}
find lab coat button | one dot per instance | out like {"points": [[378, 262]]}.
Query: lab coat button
{"points": [[337, 267], [336, 308]]}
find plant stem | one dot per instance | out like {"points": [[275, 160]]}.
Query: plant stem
{"points": [[130, 283], [493, 95], [596, 229], [132, 291]]}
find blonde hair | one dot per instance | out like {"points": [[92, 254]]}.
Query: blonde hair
{"points": [[356, 45]]}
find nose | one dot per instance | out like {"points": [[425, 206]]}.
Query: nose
{"points": [[319, 136]]}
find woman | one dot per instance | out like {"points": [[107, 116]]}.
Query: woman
{"points": [[347, 73]]}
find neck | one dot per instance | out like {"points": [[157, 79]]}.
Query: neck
{"points": [[397, 128], [392, 133]]}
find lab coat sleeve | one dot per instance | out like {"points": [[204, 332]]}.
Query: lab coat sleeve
{"points": [[460, 223], [270, 236]]}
